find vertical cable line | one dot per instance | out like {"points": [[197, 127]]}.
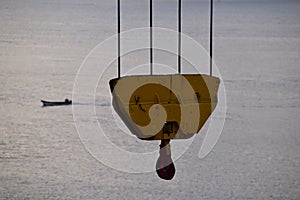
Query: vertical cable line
{"points": [[151, 41], [211, 37], [179, 36], [119, 43]]}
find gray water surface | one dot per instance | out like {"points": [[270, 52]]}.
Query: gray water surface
{"points": [[257, 48]]}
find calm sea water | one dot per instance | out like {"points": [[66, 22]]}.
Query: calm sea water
{"points": [[257, 48]]}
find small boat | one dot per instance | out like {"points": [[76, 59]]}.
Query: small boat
{"points": [[56, 103]]}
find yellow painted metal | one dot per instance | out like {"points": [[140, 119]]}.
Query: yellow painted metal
{"points": [[157, 107]]}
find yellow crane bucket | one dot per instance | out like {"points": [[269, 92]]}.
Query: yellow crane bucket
{"points": [[161, 107]]}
